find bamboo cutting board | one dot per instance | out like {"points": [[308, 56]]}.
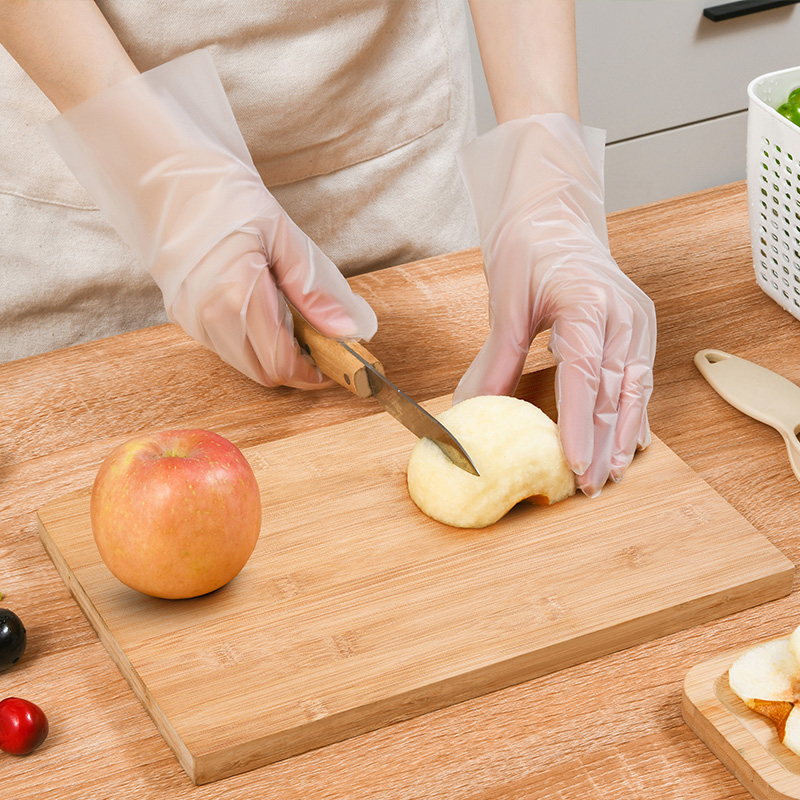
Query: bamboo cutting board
{"points": [[357, 611], [745, 742]]}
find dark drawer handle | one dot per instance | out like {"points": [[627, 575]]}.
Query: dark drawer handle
{"points": [[742, 7]]}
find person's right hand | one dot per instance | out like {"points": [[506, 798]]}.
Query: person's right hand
{"points": [[163, 157]]}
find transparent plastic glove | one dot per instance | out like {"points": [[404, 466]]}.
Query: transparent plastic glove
{"points": [[164, 159], [537, 192]]}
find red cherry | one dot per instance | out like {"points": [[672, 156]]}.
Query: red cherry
{"points": [[23, 726]]}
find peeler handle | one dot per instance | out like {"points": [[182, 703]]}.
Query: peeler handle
{"points": [[758, 392]]}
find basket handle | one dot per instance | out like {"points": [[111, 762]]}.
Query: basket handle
{"points": [[743, 7]]}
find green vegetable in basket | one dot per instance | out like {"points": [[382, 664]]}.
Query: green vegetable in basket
{"points": [[791, 111], [791, 108]]}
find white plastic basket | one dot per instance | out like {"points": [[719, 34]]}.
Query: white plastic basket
{"points": [[773, 188]]}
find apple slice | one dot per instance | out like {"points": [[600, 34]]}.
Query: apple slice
{"points": [[794, 644], [791, 731], [766, 673]]}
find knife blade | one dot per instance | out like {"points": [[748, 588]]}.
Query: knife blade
{"points": [[351, 365]]}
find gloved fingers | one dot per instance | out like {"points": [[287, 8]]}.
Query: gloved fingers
{"points": [[311, 281], [586, 383], [578, 378], [632, 430], [590, 341], [611, 413], [497, 367], [599, 429], [612, 326], [280, 357], [644, 433], [595, 477], [243, 317]]}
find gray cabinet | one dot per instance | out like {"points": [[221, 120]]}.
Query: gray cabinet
{"points": [[670, 88]]}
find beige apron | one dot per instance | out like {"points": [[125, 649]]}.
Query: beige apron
{"points": [[353, 111]]}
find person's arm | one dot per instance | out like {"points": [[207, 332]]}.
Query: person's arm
{"points": [[67, 49], [528, 54], [536, 186], [162, 155]]}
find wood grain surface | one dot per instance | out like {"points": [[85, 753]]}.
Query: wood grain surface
{"points": [[610, 727], [356, 610]]}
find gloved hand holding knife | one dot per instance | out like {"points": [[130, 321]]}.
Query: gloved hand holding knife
{"points": [[162, 155]]}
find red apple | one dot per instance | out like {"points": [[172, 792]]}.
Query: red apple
{"points": [[23, 726], [176, 513]]}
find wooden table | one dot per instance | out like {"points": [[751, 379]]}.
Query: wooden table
{"points": [[607, 728]]}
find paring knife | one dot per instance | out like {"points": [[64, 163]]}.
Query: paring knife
{"points": [[351, 365], [758, 392]]}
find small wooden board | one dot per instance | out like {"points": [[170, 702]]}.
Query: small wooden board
{"points": [[745, 742], [356, 610]]}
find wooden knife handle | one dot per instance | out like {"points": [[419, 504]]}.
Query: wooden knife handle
{"points": [[333, 360]]}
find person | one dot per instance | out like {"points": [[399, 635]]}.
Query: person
{"points": [[174, 118]]}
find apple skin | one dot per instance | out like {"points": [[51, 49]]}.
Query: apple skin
{"points": [[177, 513], [23, 726]]}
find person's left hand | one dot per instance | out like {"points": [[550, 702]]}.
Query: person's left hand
{"points": [[537, 191]]}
